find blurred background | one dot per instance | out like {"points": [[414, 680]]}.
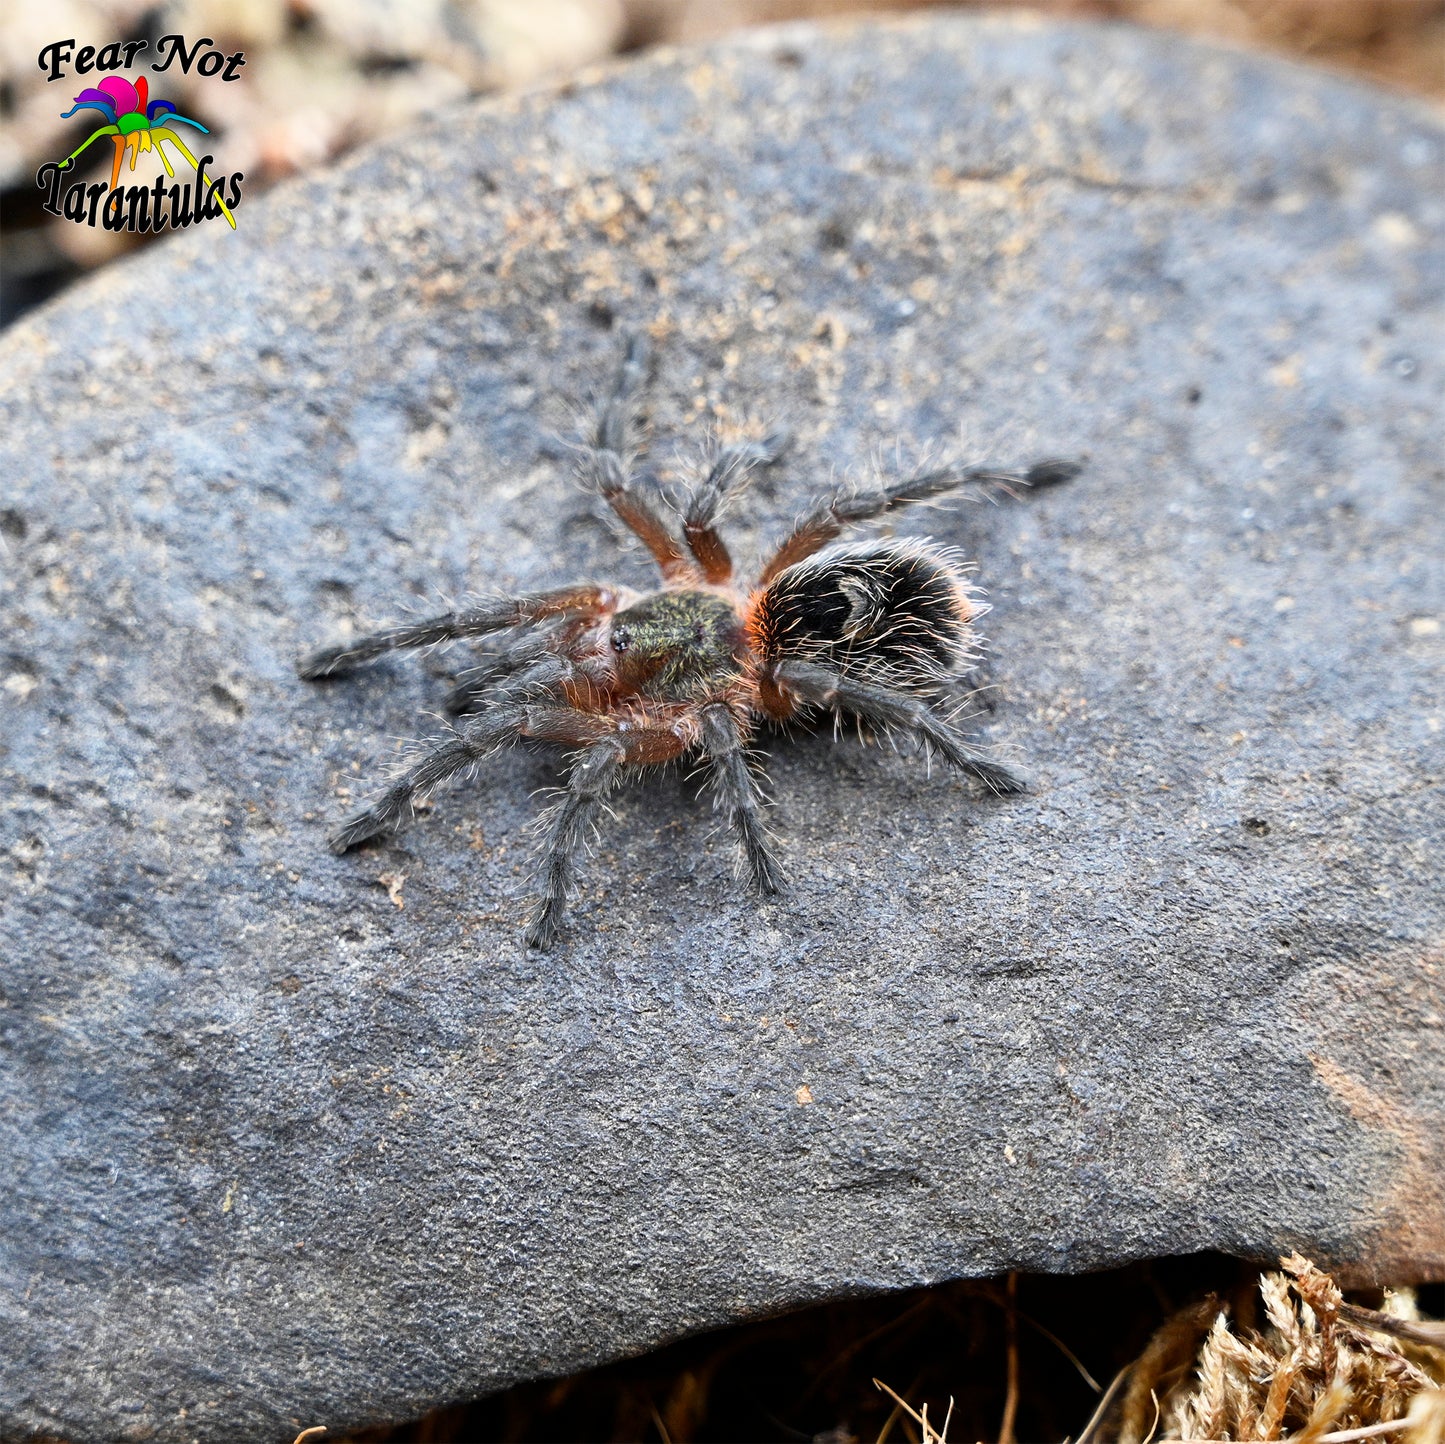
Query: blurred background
{"points": [[324, 76]]}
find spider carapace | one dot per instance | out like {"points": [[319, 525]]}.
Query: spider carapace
{"points": [[875, 630]]}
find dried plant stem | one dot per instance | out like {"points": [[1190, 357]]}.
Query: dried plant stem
{"points": [[889, 1422], [1341, 1436], [858, 1345], [1365, 1431], [1011, 1335], [1065, 1350], [1320, 1372], [1149, 1437], [1432, 1335], [1105, 1405], [930, 1434], [1168, 1355]]}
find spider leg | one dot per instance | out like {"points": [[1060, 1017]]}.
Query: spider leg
{"points": [[888, 707], [160, 150], [111, 130], [180, 145], [723, 744], [606, 469], [481, 735], [593, 774], [513, 714], [495, 614], [828, 519], [474, 683], [731, 470]]}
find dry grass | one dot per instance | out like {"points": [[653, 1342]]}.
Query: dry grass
{"points": [[1280, 1357], [1321, 1371]]}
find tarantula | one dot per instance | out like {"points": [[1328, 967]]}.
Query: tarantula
{"points": [[872, 629]]}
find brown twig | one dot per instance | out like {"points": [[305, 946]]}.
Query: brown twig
{"points": [[1011, 1335], [994, 1296], [1065, 1350], [1170, 1352], [1106, 1403], [1431, 1335], [1149, 1437], [1365, 1431], [843, 1355], [888, 1423]]}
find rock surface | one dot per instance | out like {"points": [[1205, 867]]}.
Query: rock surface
{"points": [[296, 1139]]}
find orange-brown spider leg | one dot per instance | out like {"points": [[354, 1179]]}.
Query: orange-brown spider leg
{"points": [[731, 470], [494, 614], [593, 775], [119, 141], [737, 792], [828, 519], [887, 707], [605, 468]]}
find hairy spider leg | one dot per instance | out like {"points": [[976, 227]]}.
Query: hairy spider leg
{"points": [[480, 736], [592, 777], [731, 470], [828, 519], [487, 732], [605, 466], [510, 717], [530, 705], [495, 614], [889, 707], [474, 683], [722, 742]]}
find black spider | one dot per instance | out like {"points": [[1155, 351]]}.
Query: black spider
{"points": [[873, 629]]}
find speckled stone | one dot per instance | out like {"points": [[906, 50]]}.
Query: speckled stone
{"points": [[292, 1139]]}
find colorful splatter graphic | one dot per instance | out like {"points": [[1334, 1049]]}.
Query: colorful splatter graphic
{"points": [[136, 123]]}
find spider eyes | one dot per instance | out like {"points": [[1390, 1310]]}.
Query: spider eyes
{"points": [[622, 639]]}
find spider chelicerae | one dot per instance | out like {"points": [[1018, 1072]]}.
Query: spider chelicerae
{"points": [[873, 629]]}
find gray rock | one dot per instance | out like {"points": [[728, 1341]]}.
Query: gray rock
{"points": [[296, 1139]]}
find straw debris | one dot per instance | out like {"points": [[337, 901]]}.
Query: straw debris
{"points": [[1320, 1372]]}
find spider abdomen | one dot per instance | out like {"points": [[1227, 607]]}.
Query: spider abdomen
{"points": [[882, 609]]}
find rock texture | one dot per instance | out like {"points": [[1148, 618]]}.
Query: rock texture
{"points": [[292, 1139]]}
